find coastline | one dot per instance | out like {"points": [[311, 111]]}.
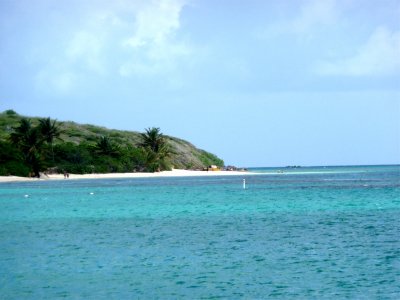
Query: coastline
{"points": [[173, 173]]}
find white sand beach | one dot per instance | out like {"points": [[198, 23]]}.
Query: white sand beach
{"points": [[173, 173]]}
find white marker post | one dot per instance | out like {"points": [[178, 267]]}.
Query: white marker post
{"points": [[244, 184]]}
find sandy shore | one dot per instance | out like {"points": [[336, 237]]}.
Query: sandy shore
{"points": [[173, 173]]}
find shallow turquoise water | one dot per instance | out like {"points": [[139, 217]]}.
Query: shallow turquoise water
{"points": [[308, 233]]}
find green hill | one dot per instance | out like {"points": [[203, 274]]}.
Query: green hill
{"points": [[74, 136]]}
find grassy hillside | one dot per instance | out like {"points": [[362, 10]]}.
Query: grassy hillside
{"points": [[184, 154]]}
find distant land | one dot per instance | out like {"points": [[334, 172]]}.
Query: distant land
{"points": [[79, 148]]}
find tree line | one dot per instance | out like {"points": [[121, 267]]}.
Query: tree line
{"points": [[31, 150]]}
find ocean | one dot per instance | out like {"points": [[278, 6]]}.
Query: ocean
{"points": [[302, 233]]}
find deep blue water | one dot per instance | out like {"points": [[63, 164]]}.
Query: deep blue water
{"points": [[308, 233]]}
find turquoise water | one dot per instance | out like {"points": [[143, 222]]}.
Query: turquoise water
{"points": [[309, 233]]}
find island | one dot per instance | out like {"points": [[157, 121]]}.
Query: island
{"points": [[47, 148]]}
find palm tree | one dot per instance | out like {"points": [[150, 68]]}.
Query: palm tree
{"points": [[156, 147], [20, 134], [49, 131], [106, 147], [28, 140], [152, 139]]}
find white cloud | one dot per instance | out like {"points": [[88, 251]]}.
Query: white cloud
{"points": [[156, 22], [86, 47], [120, 38], [153, 46], [64, 81], [380, 55], [313, 14]]}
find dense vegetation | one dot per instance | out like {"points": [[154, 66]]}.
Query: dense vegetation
{"points": [[30, 145]]}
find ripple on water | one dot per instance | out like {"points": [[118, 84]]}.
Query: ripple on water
{"points": [[157, 239]]}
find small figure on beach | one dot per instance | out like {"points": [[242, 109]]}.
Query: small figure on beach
{"points": [[66, 175]]}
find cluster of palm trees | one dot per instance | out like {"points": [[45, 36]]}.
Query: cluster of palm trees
{"points": [[153, 147], [32, 141], [35, 143]]}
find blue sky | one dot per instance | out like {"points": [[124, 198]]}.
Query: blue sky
{"points": [[258, 82]]}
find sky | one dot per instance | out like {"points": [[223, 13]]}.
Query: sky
{"points": [[256, 82]]}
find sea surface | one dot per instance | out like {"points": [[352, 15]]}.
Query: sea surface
{"points": [[293, 233]]}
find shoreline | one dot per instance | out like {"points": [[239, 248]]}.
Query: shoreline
{"points": [[173, 173]]}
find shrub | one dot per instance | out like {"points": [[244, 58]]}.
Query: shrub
{"points": [[10, 112]]}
